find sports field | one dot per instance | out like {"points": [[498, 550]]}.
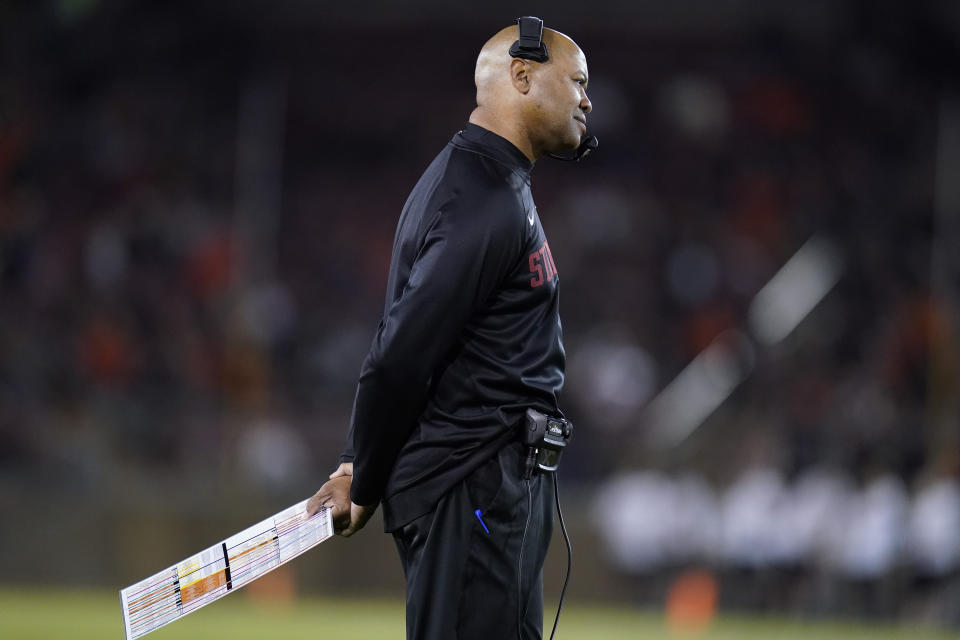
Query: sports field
{"points": [[80, 615]]}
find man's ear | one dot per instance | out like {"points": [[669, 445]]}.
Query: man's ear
{"points": [[520, 75]]}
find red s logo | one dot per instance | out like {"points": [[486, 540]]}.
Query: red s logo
{"points": [[542, 267]]}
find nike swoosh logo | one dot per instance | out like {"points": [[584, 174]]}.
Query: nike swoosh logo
{"points": [[530, 219]]}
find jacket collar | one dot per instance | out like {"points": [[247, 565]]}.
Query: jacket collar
{"points": [[497, 147]]}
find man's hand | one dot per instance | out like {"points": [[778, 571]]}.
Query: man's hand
{"points": [[348, 518], [334, 493], [345, 469], [358, 517]]}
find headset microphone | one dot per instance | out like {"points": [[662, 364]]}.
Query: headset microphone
{"points": [[530, 46], [587, 146]]}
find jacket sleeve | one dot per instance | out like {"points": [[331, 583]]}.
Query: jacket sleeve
{"points": [[466, 252]]}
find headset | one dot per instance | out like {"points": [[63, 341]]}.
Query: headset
{"points": [[546, 437], [530, 46]]}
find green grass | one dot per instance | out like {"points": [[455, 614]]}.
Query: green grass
{"points": [[33, 614]]}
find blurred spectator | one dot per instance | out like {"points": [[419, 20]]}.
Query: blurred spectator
{"points": [[934, 525]]}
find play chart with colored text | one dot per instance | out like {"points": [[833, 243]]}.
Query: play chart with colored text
{"points": [[213, 573]]}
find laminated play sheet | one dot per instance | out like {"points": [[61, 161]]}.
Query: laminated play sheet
{"points": [[216, 571]]}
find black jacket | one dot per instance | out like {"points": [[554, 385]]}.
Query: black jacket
{"points": [[470, 335]]}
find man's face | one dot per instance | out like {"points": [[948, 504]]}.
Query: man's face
{"points": [[561, 100]]}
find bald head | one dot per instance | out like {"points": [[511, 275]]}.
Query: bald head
{"points": [[515, 95], [492, 73]]}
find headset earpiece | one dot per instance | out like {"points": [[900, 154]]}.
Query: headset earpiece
{"points": [[530, 46]]}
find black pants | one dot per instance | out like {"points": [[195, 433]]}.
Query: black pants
{"points": [[466, 582]]}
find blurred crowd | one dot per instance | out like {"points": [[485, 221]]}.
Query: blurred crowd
{"points": [[821, 545], [196, 214]]}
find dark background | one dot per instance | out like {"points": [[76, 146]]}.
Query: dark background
{"points": [[197, 203]]}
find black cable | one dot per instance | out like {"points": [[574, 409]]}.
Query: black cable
{"points": [[566, 538], [520, 563]]}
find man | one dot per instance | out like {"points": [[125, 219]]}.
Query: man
{"points": [[470, 339]]}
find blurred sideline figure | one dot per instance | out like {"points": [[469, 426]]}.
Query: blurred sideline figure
{"points": [[469, 341]]}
